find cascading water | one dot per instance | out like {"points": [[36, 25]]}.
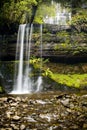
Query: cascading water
{"points": [[19, 67], [62, 15], [39, 81], [22, 81]]}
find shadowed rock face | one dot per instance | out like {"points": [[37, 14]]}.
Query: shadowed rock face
{"points": [[52, 43]]}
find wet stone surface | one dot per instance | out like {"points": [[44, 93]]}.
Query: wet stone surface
{"points": [[43, 111]]}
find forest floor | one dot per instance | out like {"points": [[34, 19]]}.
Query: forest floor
{"points": [[53, 110]]}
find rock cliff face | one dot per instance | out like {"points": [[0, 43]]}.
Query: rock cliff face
{"points": [[59, 43]]}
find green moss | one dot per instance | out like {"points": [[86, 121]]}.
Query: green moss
{"points": [[69, 79], [2, 89], [72, 80]]}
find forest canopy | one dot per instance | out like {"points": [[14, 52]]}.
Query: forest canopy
{"points": [[14, 12]]}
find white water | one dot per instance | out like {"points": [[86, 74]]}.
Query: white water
{"points": [[39, 80], [23, 84], [61, 15]]}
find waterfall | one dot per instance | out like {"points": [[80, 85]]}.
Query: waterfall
{"points": [[39, 80], [19, 55], [27, 82], [62, 15], [22, 80]]}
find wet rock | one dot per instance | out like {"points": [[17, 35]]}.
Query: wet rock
{"points": [[84, 96], [14, 127], [9, 113], [24, 105], [14, 104], [65, 102], [85, 125], [16, 118], [6, 129], [74, 127], [4, 99], [48, 117], [24, 100], [61, 96], [31, 102], [40, 102], [43, 111], [30, 119], [22, 127], [72, 105], [18, 99], [10, 99], [68, 110], [84, 104]]}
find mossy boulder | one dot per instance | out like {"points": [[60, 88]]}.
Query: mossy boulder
{"points": [[78, 81], [2, 90]]}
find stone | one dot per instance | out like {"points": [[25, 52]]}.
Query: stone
{"points": [[85, 125], [74, 127], [8, 113], [30, 119], [71, 105], [24, 105], [16, 118], [22, 127], [65, 102], [69, 110], [3, 129], [8, 128], [14, 127], [4, 99], [14, 104], [18, 99]]}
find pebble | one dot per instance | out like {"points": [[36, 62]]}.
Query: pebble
{"points": [[14, 127], [16, 118], [22, 127], [65, 102], [74, 127], [4, 99], [85, 126], [14, 104], [8, 113], [18, 99]]}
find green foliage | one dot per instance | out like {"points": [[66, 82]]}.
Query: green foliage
{"points": [[38, 62], [21, 11], [80, 17], [47, 73], [64, 37], [43, 11], [17, 11], [63, 34], [70, 80], [34, 60]]}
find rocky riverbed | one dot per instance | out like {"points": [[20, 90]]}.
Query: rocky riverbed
{"points": [[44, 111]]}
